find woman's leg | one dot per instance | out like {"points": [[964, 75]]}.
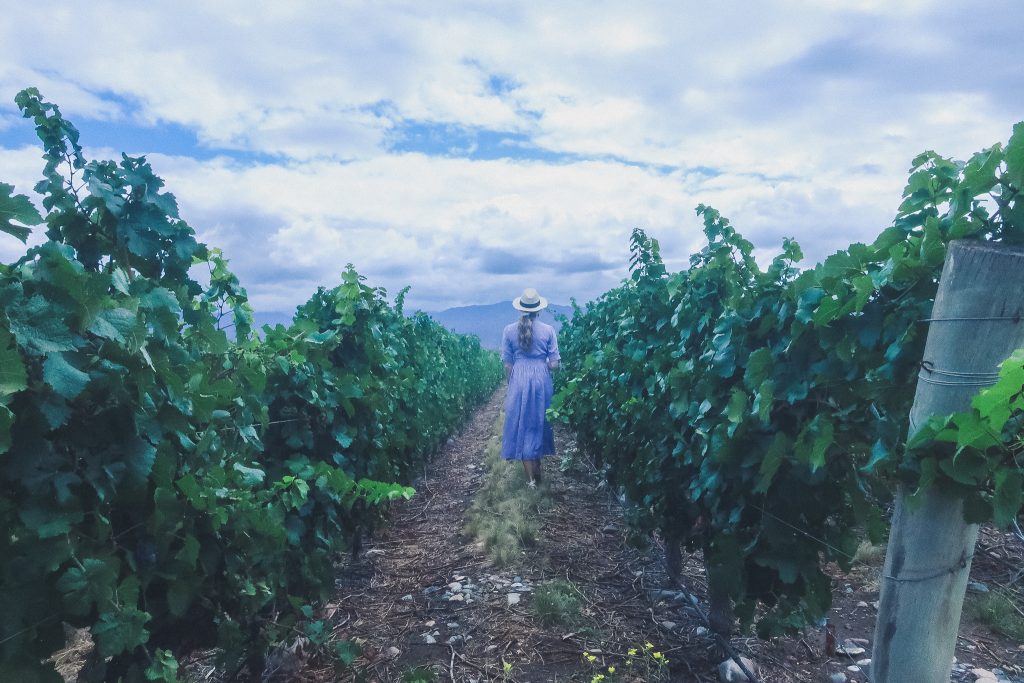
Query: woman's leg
{"points": [[532, 469]]}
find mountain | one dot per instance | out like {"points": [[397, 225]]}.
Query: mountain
{"points": [[488, 320], [485, 321]]}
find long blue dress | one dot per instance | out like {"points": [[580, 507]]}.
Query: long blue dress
{"points": [[527, 435]]}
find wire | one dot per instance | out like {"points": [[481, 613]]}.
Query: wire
{"points": [[959, 566], [985, 379], [805, 533], [930, 367], [1015, 319], [939, 382]]}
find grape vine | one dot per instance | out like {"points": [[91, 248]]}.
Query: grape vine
{"points": [[162, 484], [757, 413]]}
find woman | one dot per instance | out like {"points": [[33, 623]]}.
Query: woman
{"points": [[529, 350]]}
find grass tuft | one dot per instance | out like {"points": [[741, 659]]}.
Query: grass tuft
{"points": [[420, 674], [505, 514], [996, 609], [867, 552], [557, 603]]}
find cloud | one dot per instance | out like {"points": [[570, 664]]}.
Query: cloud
{"points": [[467, 149]]}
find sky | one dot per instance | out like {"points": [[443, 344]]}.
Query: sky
{"points": [[472, 149]]}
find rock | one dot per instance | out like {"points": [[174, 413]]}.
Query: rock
{"points": [[430, 590], [517, 579], [458, 577], [456, 640], [838, 677], [668, 625], [392, 652], [429, 639], [857, 642], [609, 529], [458, 597], [853, 668], [656, 595], [700, 631], [983, 675], [407, 598], [455, 586], [431, 623], [977, 587], [730, 672], [864, 662], [848, 590], [490, 648], [452, 625], [513, 598], [850, 650], [862, 604], [374, 551]]}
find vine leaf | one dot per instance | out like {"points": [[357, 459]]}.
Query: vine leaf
{"points": [[15, 209], [65, 379]]}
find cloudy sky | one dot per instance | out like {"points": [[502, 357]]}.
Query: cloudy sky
{"points": [[473, 149]]}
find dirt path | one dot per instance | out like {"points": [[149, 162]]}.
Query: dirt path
{"points": [[423, 595], [397, 600]]}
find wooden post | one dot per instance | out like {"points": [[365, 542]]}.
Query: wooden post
{"points": [[976, 323]]}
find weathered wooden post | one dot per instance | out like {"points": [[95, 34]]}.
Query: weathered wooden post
{"points": [[977, 321]]}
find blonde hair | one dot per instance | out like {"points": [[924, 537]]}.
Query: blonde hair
{"points": [[526, 331]]}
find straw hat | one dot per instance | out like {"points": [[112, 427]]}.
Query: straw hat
{"points": [[530, 301]]}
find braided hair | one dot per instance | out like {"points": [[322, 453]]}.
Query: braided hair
{"points": [[526, 331]]}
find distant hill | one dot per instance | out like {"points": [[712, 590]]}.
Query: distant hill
{"points": [[488, 320], [485, 320]]}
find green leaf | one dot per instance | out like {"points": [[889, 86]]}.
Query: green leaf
{"points": [[115, 324], [1014, 156], [119, 280], [120, 631], [1006, 502], [773, 457], [12, 367], [139, 457], [164, 668], [179, 597], [6, 422], [737, 407], [65, 379], [251, 476], [759, 368], [40, 326], [346, 651], [823, 431], [89, 586], [48, 523], [17, 209]]}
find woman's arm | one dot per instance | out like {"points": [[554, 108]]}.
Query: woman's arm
{"points": [[554, 358]]}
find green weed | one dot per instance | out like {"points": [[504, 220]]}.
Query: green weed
{"points": [[996, 609], [420, 674], [557, 603]]}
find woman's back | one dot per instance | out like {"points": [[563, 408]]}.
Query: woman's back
{"points": [[544, 345]]}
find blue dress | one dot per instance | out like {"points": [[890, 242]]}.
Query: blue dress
{"points": [[527, 435]]}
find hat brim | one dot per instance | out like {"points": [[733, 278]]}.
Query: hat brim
{"points": [[518, 305]]}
